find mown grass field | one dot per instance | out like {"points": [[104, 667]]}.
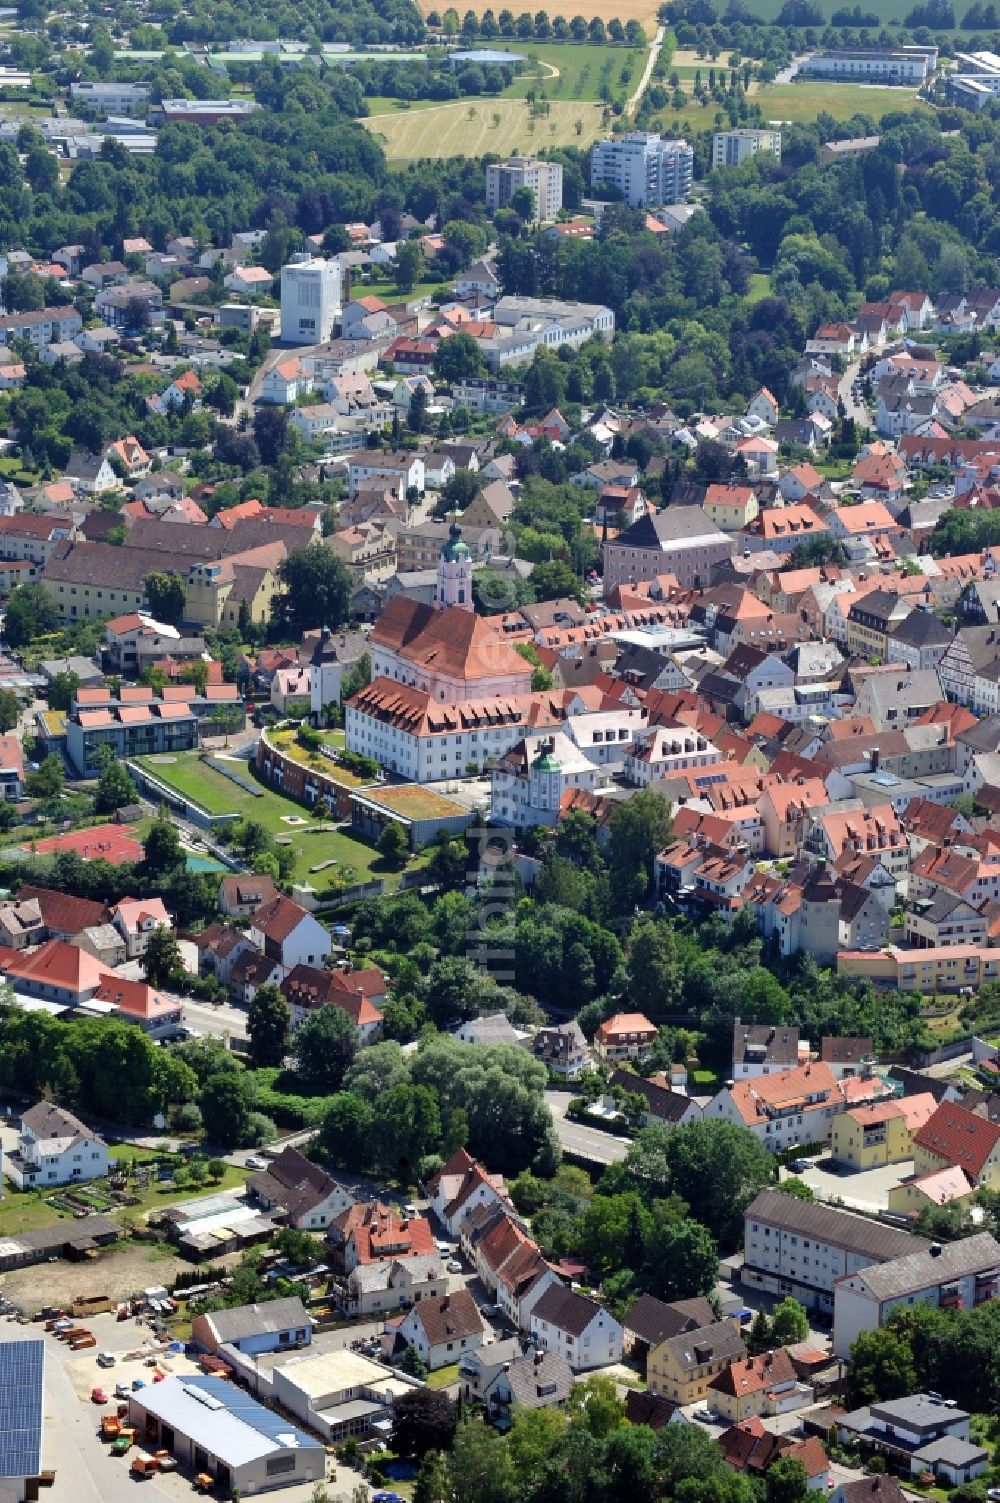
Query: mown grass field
{"points": [[311, 847], [470, 128], [798, 103], [569, 71]]}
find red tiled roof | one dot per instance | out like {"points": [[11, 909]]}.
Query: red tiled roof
{"points": [[959, 1137]]}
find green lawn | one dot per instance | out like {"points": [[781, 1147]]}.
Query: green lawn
{"points": [[760, 286], [28, 1210], [573, 70], [802, 102], [470, 128], [798, 103], [311, 845], [443, 1376]]}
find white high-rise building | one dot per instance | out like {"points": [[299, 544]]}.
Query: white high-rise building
{"points": [[731, 148], [545, 179], [647, 170], [310, 300]]}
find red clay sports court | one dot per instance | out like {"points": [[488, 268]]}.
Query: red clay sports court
{"points": [[114, 843]]}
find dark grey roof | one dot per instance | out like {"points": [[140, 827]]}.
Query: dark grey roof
{"points": [[914, 1083], [842, 1051], [566, 1310], [664, 1104], [258, 1320], [921, 629], [719, 1342], [764, 1044], [537, 1380], [673, 524], [982, 737], [952, 1450], [917, 1411], [653, 1321], [839, 1228], [921, 1270]]}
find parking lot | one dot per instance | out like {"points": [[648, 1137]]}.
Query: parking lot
{"points": [[864, 1190]]}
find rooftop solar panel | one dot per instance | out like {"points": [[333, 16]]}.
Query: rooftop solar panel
{"points": [[22, 1366]]}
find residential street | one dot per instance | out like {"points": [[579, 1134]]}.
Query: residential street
{"points": [[586, 1142]]}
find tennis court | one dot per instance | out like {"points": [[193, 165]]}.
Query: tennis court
{"points": [[114, 843]]}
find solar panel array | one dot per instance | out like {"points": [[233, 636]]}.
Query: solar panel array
{"points": [[22, 1367]]}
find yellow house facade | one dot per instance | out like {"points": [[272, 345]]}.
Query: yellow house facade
{"points": [[946, 1187], [731, 507], [866, 1137], [682, 1367]]}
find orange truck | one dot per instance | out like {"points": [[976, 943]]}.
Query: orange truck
{"points": [[79, 1343], [144, 1466], [111, 1427]]}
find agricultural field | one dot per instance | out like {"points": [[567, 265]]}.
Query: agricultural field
{"points": [[312, 845], [643, 11], [471, 128]]}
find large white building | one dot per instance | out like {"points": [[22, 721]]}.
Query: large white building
{"points": [[529, 781], [950, 1276], [647, 170], [55, 1148], [903, 65], [731, 148], [524, 323], [800, 1247], [310, 300], [545, 179]]}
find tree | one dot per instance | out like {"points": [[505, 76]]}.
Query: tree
{"points": [[719, 1168], [162, 957], [393, 845], [345, 1132], [115, 788], [324, 1047], [653, 972], [357, 677], [682, 1260], [165, 597], [458, 357], [317, 589], [270, 431], [48, 781], [408, 265], [786, 1481], [759, 1335], [407, 1125], [31, 613], [789, 1322], [640, 828], [480, 1465], [433, 1480], [163, 853], [226, 1110], [881, 1367], [61, 690], [269, 1025], [423, 1420], [10, 710]]}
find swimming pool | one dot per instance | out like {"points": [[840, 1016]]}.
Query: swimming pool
{"points": [[204, 864]]}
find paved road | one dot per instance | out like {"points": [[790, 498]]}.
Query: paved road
{"points": [[214, 1022], [845, 392], [585, 1142], [647, 72]]}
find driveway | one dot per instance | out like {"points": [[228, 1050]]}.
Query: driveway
{"points": [[647, 72]]}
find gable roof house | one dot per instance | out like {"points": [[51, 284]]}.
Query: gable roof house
{"points": [[586, 1334], [440, 1330], [959, 1138], [286, 934], [460, 1187], [758, 1385], [294, 1189], [534, 1380], [55, 1148], [681, 1367]]}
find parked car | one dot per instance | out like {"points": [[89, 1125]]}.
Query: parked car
{"points": [[799, 1166], [254, 1163], [705, 1416], [105, 1359], [454, 1266], [98, 1396]]}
